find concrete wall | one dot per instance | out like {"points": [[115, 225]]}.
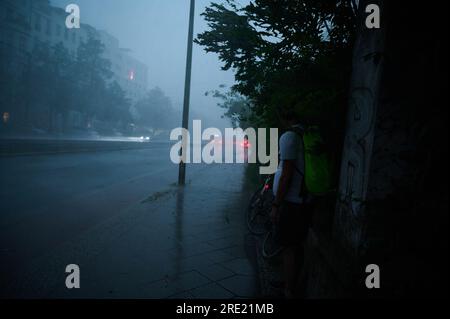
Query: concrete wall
{"points": [[392, 206]]}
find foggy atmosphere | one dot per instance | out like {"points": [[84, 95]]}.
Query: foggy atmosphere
{"points": [[109, 190], [155, 33]]}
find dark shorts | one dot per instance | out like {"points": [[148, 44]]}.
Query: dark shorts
{"points": [[294, 223]]}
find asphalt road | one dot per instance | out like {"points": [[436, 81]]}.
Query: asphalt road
{"points": [[50, 199]]}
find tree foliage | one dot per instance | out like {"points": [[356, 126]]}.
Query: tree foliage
{"points": [[56, 85], [156, 110], [92, 73], [286, 54], [237, 107]]}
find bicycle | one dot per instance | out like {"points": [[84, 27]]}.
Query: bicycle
{"points": [[259, 220]]}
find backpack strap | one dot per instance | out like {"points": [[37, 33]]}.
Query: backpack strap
{"points": [[304, 194]]}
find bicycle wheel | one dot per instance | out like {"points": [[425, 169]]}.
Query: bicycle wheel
{"points": [[271, 247], [258, 212]]}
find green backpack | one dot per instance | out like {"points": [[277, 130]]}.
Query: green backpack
{"points": [[318, 177]]}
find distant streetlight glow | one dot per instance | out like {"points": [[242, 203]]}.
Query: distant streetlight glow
{"points": [[131, 75], [5, 117]]}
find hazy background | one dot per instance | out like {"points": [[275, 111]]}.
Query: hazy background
{"points": [[156, 31]]}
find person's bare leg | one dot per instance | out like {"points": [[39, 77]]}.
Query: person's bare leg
{"points": [[290, 270]]}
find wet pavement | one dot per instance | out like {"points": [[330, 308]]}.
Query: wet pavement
{"points": [[137, 235]]}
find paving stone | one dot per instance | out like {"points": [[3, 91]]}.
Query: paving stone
{"points": [[227, 242], [190, 280], [211, 291], [193, 249], [215, 272], [182, 295], [173, 285], [240, 266], [237, 251], [159, 289], [183, 264], [241, 286]]}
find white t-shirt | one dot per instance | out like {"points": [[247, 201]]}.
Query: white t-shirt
{"points": [[291, 148]]}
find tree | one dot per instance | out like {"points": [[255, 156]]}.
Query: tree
{"points": [[155, 110], [63, 94], [54, 82], [8, 84], [40, 86], [237, 106], [287, 54], [116, 108], [48, 81], [92, 73]]}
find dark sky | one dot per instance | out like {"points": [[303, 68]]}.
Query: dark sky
{"points": [[156, 32]]}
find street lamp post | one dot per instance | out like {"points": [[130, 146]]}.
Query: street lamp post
{"points": [[187, 93]]}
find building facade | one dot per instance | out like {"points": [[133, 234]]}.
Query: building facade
{"points": [[128, 72], [24, 24]]}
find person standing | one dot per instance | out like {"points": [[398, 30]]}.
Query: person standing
{"points": [[291, 211]]}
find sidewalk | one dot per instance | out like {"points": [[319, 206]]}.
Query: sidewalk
{"points": [[188, 242]]}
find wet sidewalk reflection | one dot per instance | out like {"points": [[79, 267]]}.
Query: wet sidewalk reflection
{"points": [[188, 242]]}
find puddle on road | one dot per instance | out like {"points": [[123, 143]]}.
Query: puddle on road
{"points": [[157, 195], [160, 194]]}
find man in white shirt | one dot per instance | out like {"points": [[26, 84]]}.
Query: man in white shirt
{"points": [[291, 211], [291, 156]]}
